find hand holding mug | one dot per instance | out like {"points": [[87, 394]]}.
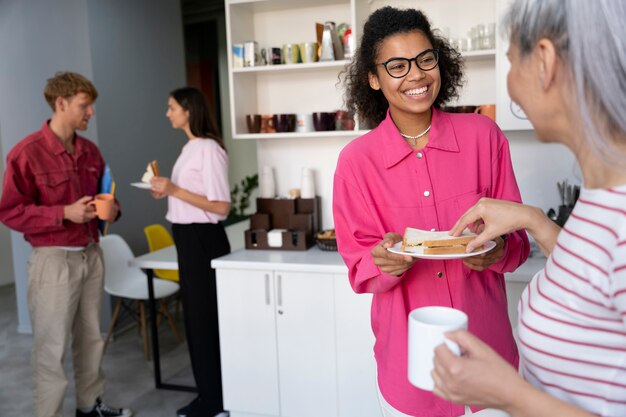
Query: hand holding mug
{"points": [[105, 207], [480, 377], [79, 211], [427, 328]]}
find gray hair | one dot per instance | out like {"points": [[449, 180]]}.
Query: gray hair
{"points": [[590, 37]]}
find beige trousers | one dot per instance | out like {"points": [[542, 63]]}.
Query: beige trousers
{"points": [[64, 297]]}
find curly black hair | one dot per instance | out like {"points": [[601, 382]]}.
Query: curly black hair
{"points": [[370, 104]]}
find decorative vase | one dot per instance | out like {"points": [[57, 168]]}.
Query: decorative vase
{"points": [[307, 186], [268, 186]]}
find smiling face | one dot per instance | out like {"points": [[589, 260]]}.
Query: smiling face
{"points": [[178, 116], [415, 93], [75, 111]]}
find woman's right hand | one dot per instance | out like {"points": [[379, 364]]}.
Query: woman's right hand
{"points": [[391, 263], [492, 218]]}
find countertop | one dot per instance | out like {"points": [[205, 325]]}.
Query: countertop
{"points": [[316, 260], [312, 260]]}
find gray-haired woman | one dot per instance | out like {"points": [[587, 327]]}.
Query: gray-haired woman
{"points": [[568, 73]]}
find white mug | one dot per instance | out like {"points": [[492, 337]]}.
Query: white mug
{"points": [[427, 326], [304, 122]]}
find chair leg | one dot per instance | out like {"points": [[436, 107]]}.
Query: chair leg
{"points": [[170, 320], [144, 332], [138, 316], [116, 314], [178, 304]]}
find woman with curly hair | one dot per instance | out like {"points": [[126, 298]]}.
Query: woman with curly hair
{"points": [[419, 167]]}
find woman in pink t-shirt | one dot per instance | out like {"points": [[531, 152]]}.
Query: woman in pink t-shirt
{"points": [[198, 198], [419, 167]]}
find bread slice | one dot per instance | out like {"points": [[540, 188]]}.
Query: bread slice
{"points": [[152, 170], [461, 240], [155, 168], [449, 250], [430, 241]]}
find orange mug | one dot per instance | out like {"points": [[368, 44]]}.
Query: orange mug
{"points": [[104, 205], [488, 110]]}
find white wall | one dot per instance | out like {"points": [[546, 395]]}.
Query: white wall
{"points": [[537, 167], [133, 51]]}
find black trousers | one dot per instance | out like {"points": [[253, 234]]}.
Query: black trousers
{"points": [[196, 245]]}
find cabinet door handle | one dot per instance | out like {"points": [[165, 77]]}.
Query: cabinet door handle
{"points": [[267, 289], [279, 296]]}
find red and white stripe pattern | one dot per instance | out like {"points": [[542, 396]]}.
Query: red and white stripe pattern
{"points": [[572, 329]]}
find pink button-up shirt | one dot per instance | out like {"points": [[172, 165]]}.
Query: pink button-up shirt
{"points": [[201, 168], [382, 185]]}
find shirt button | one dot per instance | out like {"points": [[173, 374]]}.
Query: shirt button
{"points": [[439, 274], [433, 230], [426, 193], [419, 155]]}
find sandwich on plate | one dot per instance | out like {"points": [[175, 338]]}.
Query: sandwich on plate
{"points": [[151, 171], [436, 243]]}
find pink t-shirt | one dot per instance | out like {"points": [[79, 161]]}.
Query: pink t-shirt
{"points": [[382, 185], [201, 168]]}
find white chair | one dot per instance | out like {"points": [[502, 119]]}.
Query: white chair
{"points": [[130, 285]]}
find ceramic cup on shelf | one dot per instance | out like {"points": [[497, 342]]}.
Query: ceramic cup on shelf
{"points": [[307, 185], [323, 121], [344, 120], [267, 124], [285, 122], [304, 122], [271, 56], [253, 121], [427, 326], [488, 110], [267, 184], [291, 53], [308, 52]]}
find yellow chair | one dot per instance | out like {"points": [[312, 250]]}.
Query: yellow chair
{"points": [[159, 238]]}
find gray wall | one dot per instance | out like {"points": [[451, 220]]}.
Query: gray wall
{"points": [[137, 53], [133, 51]]}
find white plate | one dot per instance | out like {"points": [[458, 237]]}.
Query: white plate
{"points": [[142, 185], [418, 252]]}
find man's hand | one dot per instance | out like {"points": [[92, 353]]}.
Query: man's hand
{"points": [[79, 211]]}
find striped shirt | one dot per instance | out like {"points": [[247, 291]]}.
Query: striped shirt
{"points": [[572, 328]]}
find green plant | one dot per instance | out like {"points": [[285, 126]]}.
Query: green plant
{"points": [[240, 195]]}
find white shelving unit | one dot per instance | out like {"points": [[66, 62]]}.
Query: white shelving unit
{"points": [[314, 87]]}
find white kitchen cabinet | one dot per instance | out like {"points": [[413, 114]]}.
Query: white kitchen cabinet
{"points": [[277, 339], [248, 345], [307, 88], [356, 365]]}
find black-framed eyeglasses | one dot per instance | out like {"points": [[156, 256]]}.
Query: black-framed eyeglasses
{"points": [[399, 67]]}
